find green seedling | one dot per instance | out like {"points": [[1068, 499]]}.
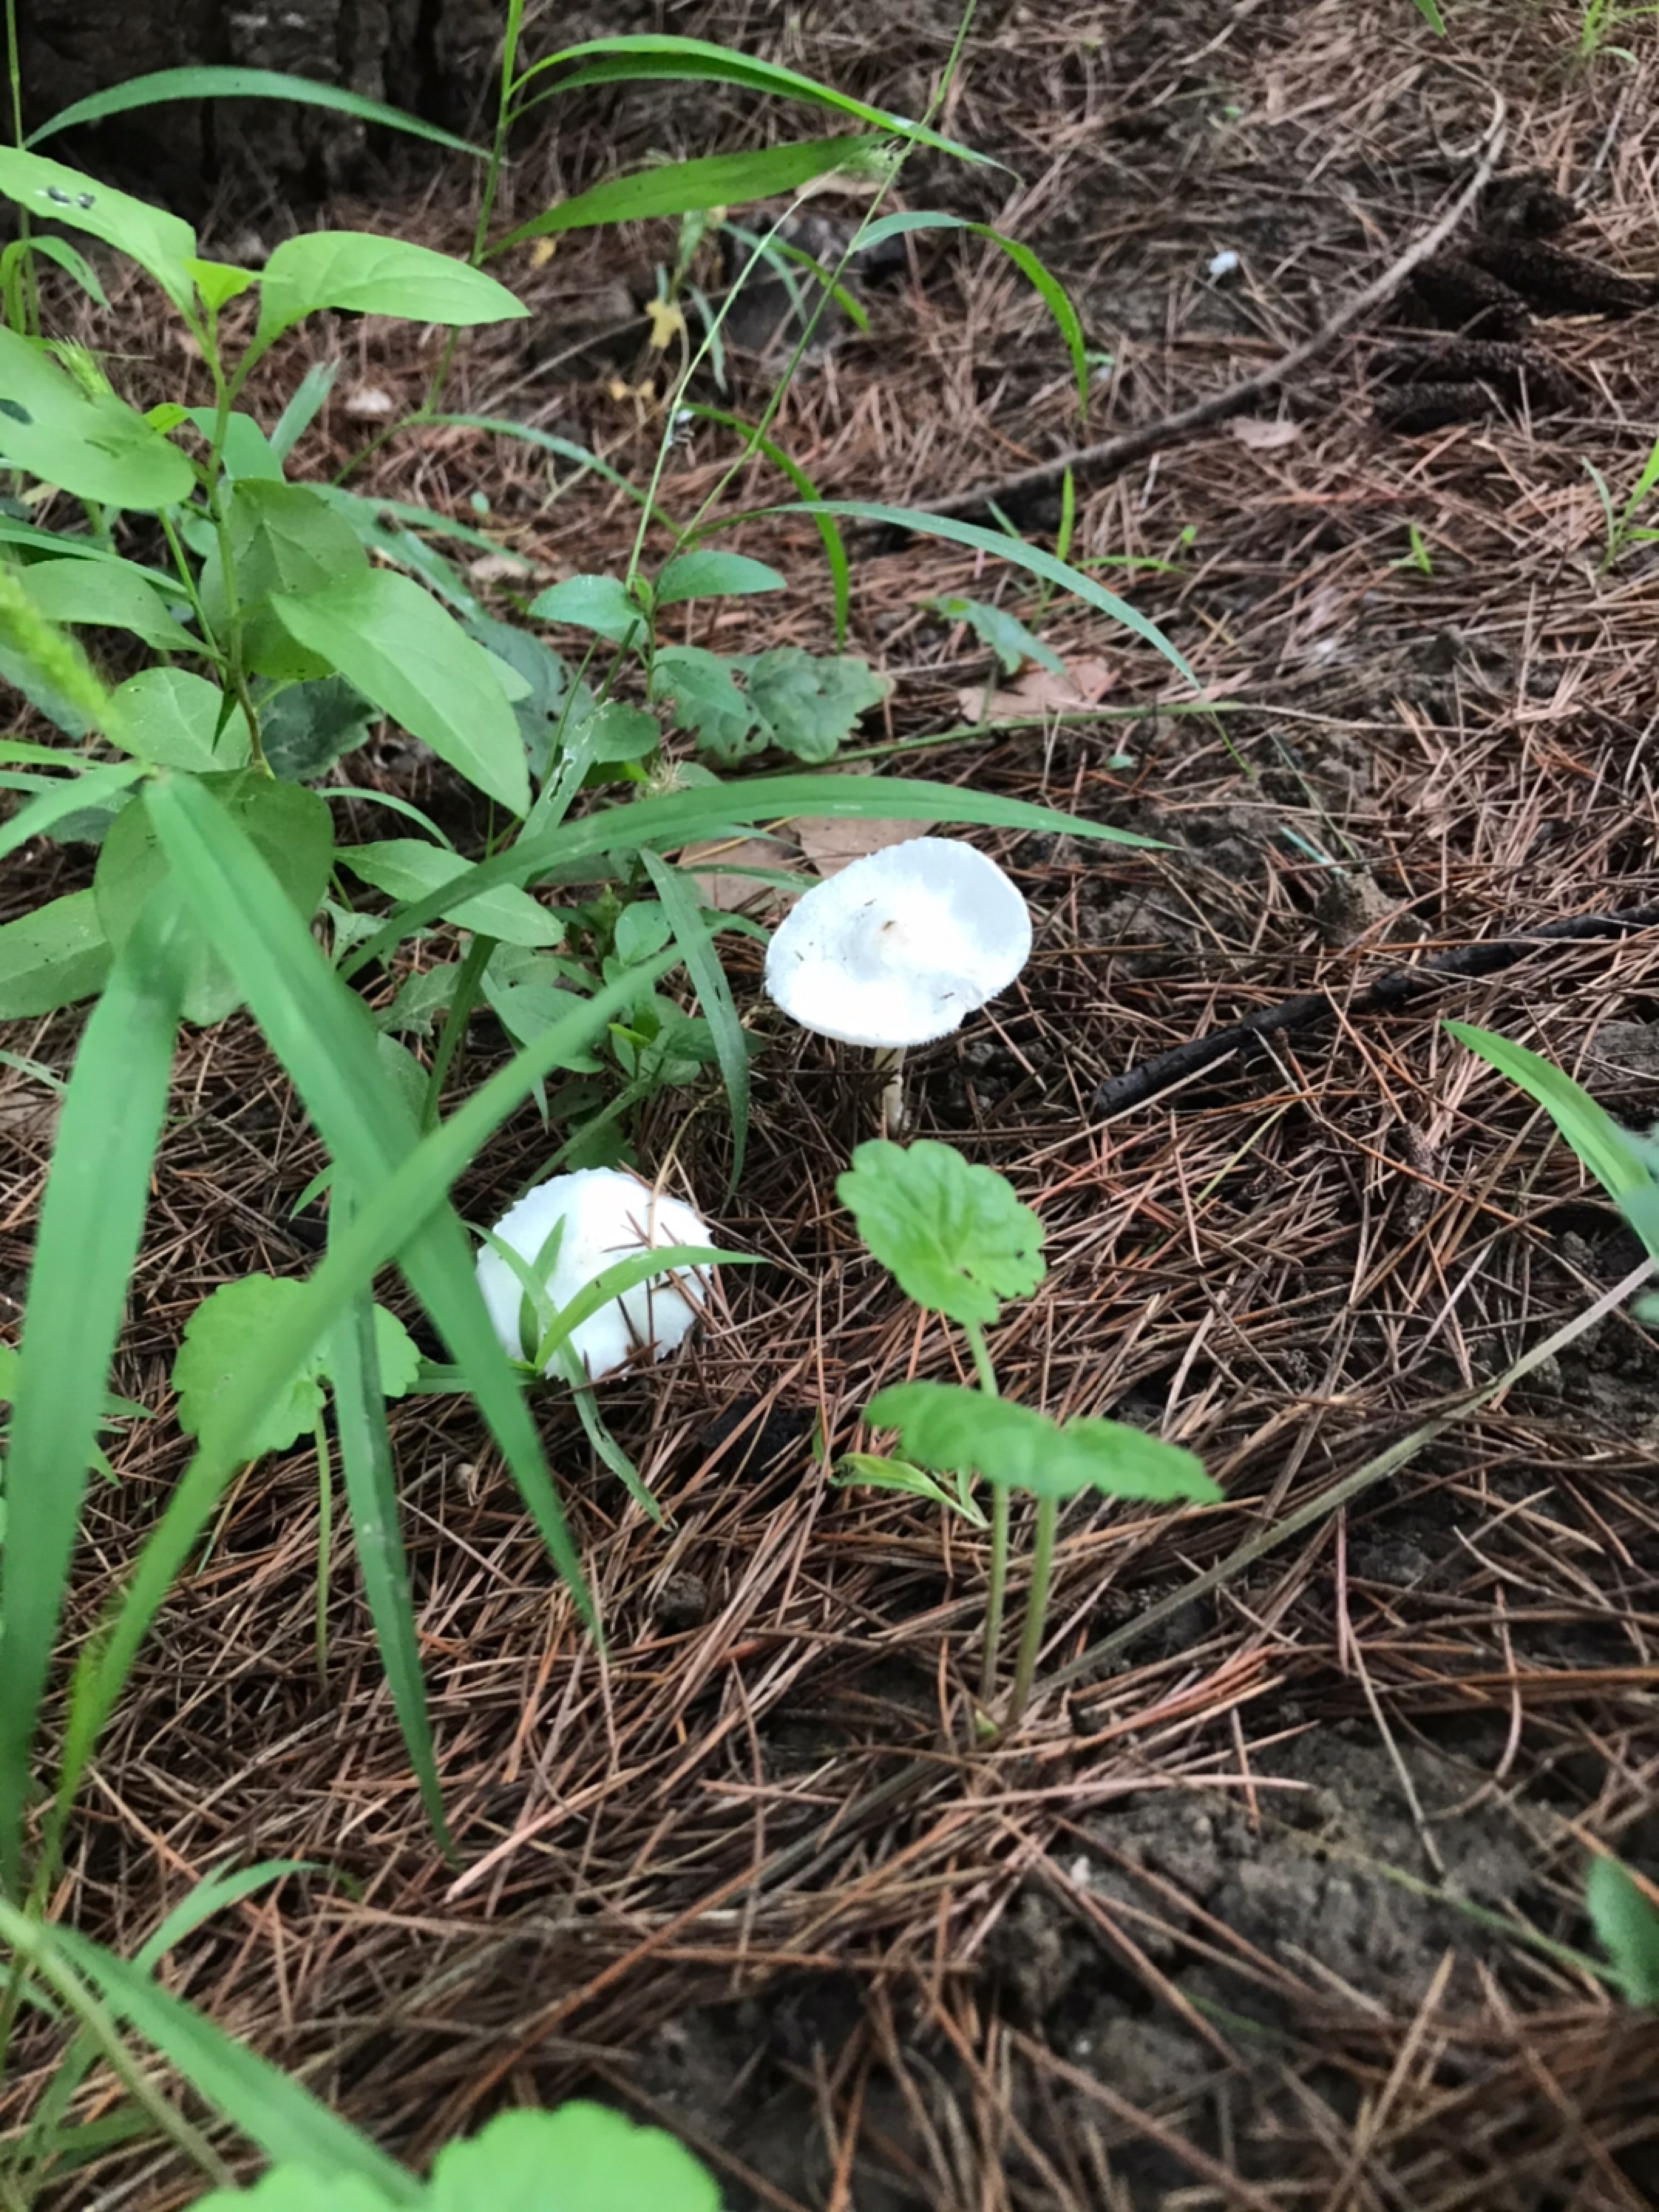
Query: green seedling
{"points": [[1622, 530], [1417, 554], [1625, 1918], [1600, 21], [1003, 633], [1430, 11], [957, 1241]]}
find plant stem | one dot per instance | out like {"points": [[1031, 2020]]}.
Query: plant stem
{"points": [[1037, 1607], [997, 1589]]}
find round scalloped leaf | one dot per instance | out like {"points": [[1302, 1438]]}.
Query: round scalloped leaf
{"points": [[583, 2158], [952, 1235], [957, 1431]]}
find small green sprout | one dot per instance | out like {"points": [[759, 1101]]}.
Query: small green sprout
{"points": [[957, 1240]]}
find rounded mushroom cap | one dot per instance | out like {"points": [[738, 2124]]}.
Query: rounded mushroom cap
{"points": [[900, 946], [603, 1216]]}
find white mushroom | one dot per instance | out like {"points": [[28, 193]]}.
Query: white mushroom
{"points": [[600, 1215], [898, 949]]}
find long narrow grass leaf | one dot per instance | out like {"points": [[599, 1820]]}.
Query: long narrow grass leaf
{"points": [[67, 797], [679, 903], [714, 810], [372, 1498], [91, 1219], [213, 82]]}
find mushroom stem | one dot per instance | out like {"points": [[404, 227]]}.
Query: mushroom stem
{"points": [[889, 1061]]}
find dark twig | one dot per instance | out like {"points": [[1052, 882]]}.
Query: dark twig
{"points": [[1101, 460], [1488, 957]]}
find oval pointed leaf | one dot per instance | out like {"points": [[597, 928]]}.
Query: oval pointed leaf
{"points": [[409, 655], [76, 591], [365, 275], [601, 604], [160, 243], [97, 449], [172, 719], [404, 867], [705, 574], [52, 956], [949, 1428]]}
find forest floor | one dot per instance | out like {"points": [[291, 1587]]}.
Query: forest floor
{"points": [[1258, 1911]]}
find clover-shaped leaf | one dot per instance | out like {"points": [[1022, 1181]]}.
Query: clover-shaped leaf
{"points": [[952, 1235], [227, 1330], [956, 1431]]}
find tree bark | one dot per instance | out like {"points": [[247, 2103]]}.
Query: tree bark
{"points": [[434, 57]]}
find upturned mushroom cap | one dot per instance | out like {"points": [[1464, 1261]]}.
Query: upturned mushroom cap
{"points": [[898, 948], [607, 1216]]}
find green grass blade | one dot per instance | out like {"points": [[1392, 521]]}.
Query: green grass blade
{"points": [[712, 811], [268, 2108], [834, 545], [324, 1040], [1029, 558], [1050, 291], [372, 1498], [213, 82], [646, 58], [91, 788], [703, 964], [1610, 1154], [91, 1220], [209, 1895], [711, 180], [381, 1223], [565, 449]]}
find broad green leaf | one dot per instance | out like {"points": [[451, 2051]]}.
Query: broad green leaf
{"points": [[712, 180], [246, 453], [74, 591], [51, 956], [703, 696], [705, 574], [1006, 636], [91, 1218], [642, 928], [951, 1233], [1001, 547], [601, 604], [617, 732], [1626, 1924], [269, 2107], [172, 719], [292, 828], [222, 1336], [648, 57], [158, 242], [305, 728], [404, 867], [362, 274], [563, 853], [947, 1426], [1052, 292], [219, 283], [95, 447], [54, 812], [283, 539], [213, 82], [810, 703], [1614, 1156], [407, 654], [582, 2158]]}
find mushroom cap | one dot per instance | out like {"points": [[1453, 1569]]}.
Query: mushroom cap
{"points": [[898, 948], [607, 1216]]}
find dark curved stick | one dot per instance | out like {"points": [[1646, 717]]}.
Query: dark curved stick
{"points": [[1488, 957]]}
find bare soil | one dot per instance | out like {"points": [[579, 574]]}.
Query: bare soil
{"points": [[1260, 1910]]}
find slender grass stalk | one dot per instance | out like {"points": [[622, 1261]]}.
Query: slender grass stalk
{"points": [[1036, 1608], [997, 1583]]}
